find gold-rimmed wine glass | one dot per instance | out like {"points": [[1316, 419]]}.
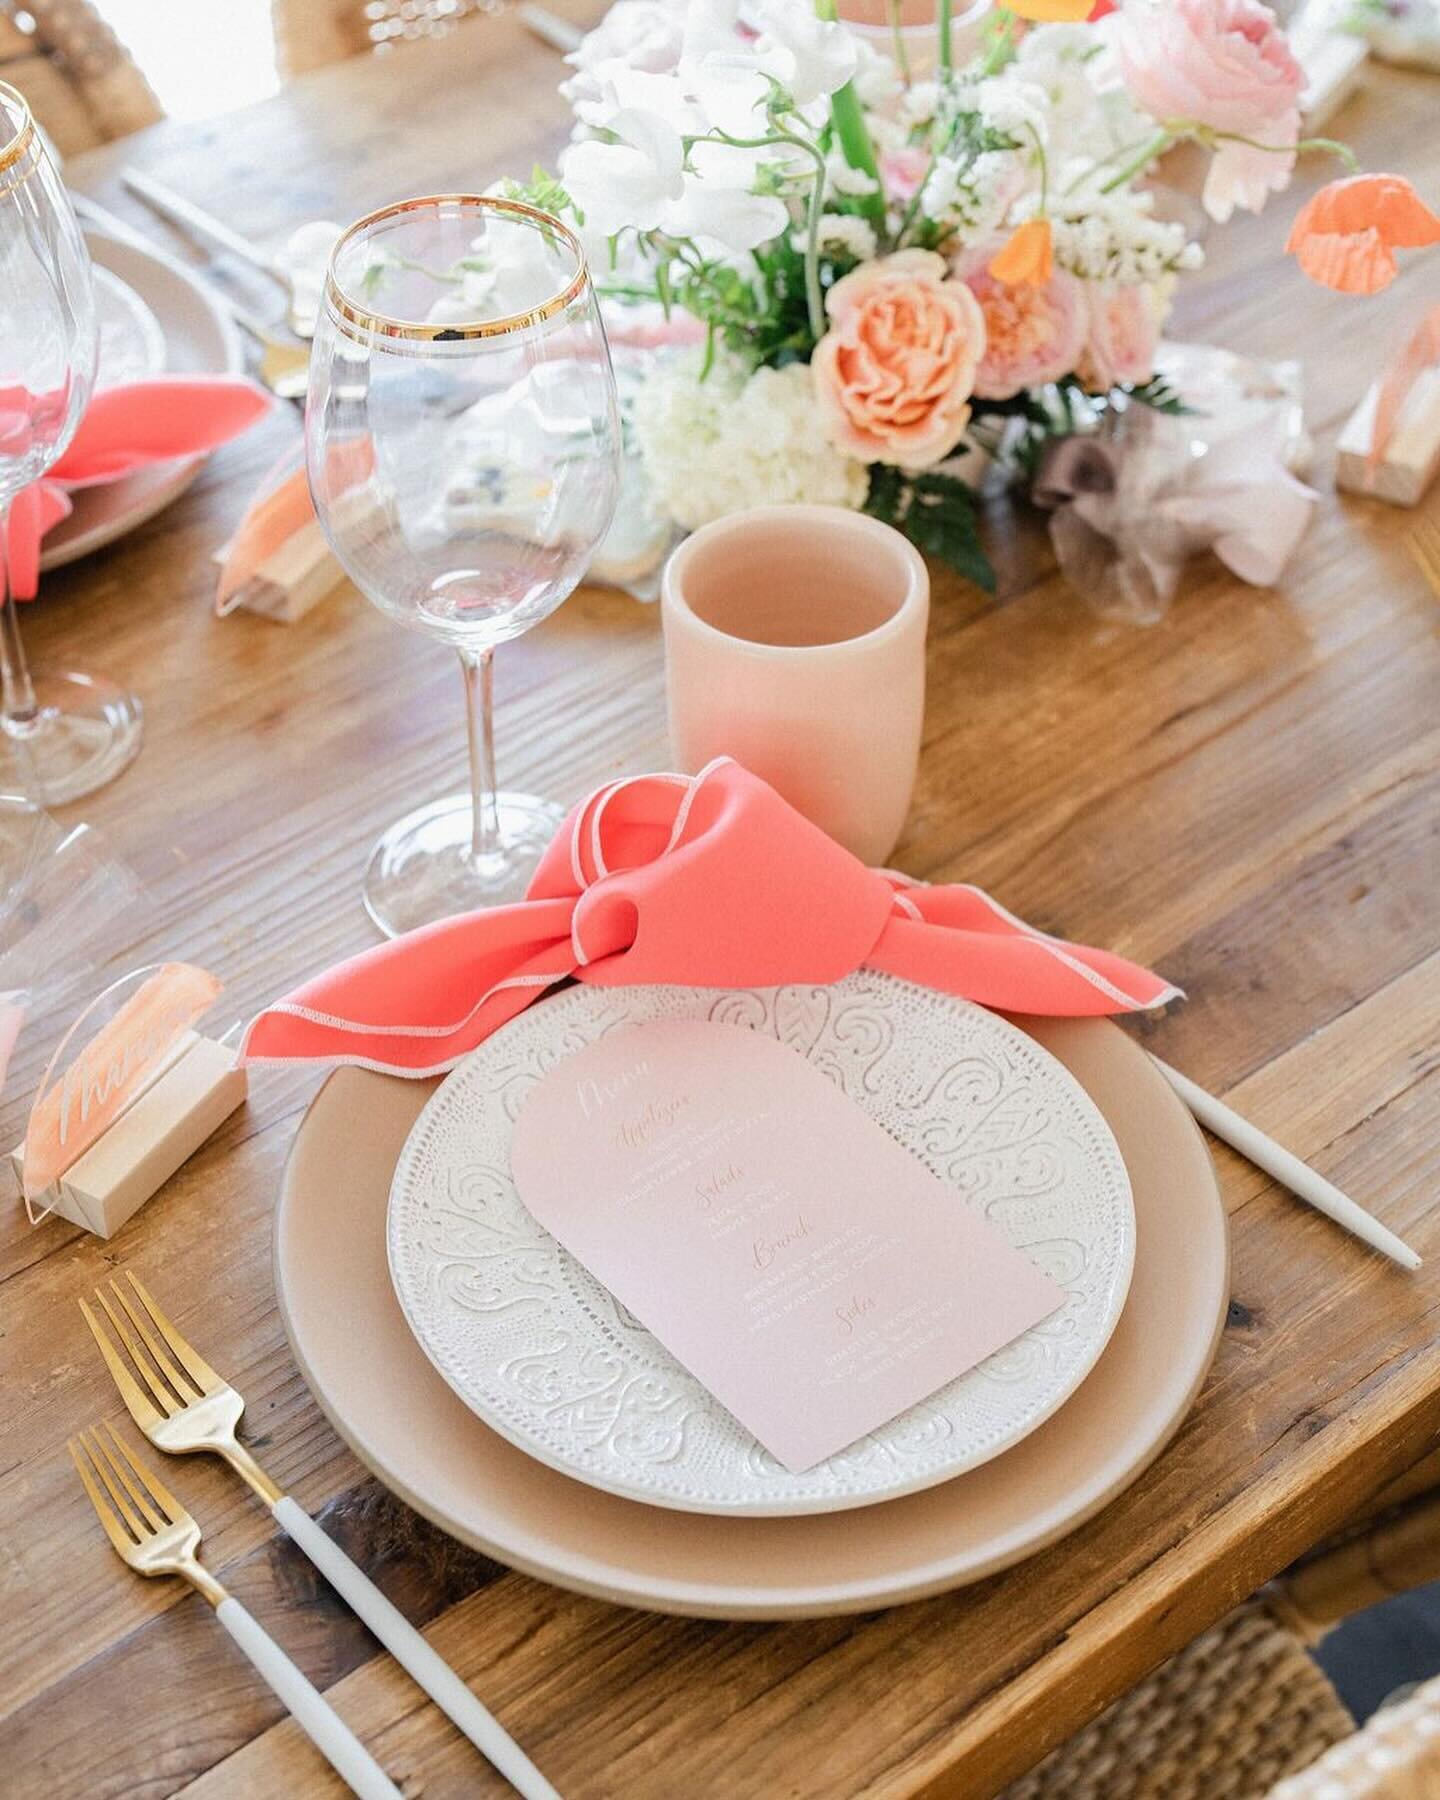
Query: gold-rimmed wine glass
{"points": [[463, 440], [62, 734]]}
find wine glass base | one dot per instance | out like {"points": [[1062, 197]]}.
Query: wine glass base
{"points": [[86, 731], [423, 868]]}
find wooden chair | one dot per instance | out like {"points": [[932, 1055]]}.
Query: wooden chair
{"points": [[1245, 1713], [77, 76], [311, 33]]}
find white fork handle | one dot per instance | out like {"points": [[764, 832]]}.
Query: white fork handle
{"points": [[329, 1733], [425, 1665]]}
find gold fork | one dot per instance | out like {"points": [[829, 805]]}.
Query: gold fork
{"points": [[154, 1535], [1425, 548], [182, 1405]]}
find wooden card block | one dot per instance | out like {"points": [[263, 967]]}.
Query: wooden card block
{"points": [[1409, 462], [292, 579], [147, 1144]]}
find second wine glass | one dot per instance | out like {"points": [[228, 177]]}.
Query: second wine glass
{"points": [[462, 440]]}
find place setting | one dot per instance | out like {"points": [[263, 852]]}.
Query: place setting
{"points": [[706, 1207]]}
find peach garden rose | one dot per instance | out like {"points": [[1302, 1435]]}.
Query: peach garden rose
{"points": [[895, 371], [1033, 333], [1124, 328]]}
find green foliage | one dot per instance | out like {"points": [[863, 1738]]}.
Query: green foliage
{"points": [[937, 513], [1158, 394]]}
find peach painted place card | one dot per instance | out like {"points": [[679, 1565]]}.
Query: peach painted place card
{"points": [[804, 1266]]}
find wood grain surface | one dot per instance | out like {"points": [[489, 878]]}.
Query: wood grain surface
{"points": [[1244, 796]]}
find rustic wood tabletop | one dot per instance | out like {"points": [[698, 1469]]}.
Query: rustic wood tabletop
{"points": [[1245, 796]]}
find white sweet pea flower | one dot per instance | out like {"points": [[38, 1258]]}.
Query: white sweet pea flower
{"points": [[634, 34], [809, 56], [643, 181], [662, 97], [629, 183]]}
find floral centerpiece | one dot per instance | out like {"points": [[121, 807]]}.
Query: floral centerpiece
{"points": [[861, 279]]}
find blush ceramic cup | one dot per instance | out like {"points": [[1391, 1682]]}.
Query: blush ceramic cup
{"points": [[795, 642]]}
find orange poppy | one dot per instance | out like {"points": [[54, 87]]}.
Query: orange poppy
{"points": [[1345, 237], [1027, 258]]}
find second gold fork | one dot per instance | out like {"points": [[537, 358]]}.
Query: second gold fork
{"points": [[182, 1405]]}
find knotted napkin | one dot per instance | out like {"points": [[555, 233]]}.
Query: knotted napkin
{"points": [[709, 880], [163, 419]]}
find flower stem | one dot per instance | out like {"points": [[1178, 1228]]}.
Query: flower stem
{"points": [[1332, 146], [814, 299], [946, 51], [1151, 148], [848, 117], [897, 38]]}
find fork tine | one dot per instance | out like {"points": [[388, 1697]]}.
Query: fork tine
{"points": [[136, 1316], [164, 1399], [159, 1493], [136, 1491], [101, 1461], [190, 1358], [123, 1545], [141, 1411]]}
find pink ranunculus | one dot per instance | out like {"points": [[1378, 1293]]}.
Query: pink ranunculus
{"points": [[1032, 334], [896, 369], [1124, 330], [1225, 64], [903, 170]]}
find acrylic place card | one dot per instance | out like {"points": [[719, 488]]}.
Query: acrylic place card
{"points": [[804, 1266]]}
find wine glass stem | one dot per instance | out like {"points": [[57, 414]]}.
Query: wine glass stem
{"points": [[16, 693], [478, 667]]}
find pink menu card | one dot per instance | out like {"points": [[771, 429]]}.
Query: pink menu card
{"points": [[802, 1264]]}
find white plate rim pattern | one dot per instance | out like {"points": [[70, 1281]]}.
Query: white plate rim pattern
{"points": [[772, 1493]]}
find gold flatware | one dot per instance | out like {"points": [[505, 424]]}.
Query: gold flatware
{"points": [[176, 210], [284, 362], [1424, 541], [183, 1406], [152, 1533], [559, 33]]}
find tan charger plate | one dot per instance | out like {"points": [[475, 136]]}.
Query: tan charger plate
{"points": [[380, 1392]]}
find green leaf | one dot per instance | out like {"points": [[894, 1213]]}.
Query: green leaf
{"points": [[937, 513]]}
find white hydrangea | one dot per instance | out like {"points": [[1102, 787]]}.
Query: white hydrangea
{"points": [[1006, 104], [737, 440], [972, 200], [919, 104], [1088, 108], [847, 232], [842, 179], [1116, 237]]}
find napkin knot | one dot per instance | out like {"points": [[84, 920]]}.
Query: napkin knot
{"points": [[709, 880]]}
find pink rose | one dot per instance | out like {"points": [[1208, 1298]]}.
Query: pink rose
{"points": [[903, 170], [1124, 330], [1032, 334], [896, 369], [1225, 64]]}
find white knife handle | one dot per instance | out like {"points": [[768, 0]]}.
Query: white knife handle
{"points": [[329, 1733], [425, 1665]]}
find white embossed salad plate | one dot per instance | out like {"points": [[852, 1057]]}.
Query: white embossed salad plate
{"points": [[541, 1352]]}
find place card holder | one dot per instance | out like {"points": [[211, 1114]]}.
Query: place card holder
{"points": [[165, 1126], [291, 581], [1409, 458], [132, 1090]]}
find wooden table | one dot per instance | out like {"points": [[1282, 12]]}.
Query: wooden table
{"points": [[1246, 796]]}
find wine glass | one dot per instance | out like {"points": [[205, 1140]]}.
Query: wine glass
{"points": [[463, 441], [67, 734]]}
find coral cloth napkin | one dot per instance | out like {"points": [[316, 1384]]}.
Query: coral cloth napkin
{"points": [[708, 881], [127, 428]]}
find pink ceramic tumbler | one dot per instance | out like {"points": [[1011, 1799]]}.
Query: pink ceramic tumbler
{"points": [[795, 642]]}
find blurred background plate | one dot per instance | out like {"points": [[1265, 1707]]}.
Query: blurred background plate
{"points": [[196, 336]]}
